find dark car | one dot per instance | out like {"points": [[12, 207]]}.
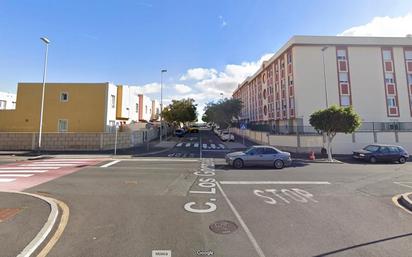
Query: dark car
{"points": [[180, 132], [378, 152]]}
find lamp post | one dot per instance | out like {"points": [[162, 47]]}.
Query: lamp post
{"points": [[47, 42], [161, 103], [324, 74]]}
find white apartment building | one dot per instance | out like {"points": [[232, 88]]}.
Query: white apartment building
{"points": [[372, 74], [7, 101]]}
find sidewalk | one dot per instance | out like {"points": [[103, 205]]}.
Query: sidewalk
{"points": [[21, 218]]}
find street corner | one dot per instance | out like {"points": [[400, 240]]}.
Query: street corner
{"points": [[22, 216]]}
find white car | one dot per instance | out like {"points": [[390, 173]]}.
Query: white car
{"points": [[226, 136]]}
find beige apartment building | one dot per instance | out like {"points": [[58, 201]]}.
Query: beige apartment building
{"points": [[372, 74]]}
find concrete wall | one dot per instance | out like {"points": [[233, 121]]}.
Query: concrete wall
{"points": [[75, 141], [342, 143]]}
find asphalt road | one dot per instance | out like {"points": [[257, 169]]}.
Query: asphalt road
{"points": [[173, 203]]}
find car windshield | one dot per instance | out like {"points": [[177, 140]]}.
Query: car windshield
{"points": [[371, 148]]}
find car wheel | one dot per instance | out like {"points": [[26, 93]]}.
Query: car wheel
{"points": [[372, 159], [279, 164], [238, 163], [402, 160]]}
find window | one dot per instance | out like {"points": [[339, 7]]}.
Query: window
{"points": [[2, 104], [410, 79], [408, 55], [63, 125], [387, 54], [343, 77], [270, 151], [371, 148], [137, 107], [391, 101], [341, 54], [145, 109], [389, 78], [64, 96], [394, 149], [384, 149], [113, 100], [345, 100], [157, 111], [289, 58]]}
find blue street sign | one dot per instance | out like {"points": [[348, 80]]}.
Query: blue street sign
{"points": [[242, 126]]}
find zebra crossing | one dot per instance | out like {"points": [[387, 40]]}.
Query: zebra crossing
{"points": [[23, 175], [209, 146]]}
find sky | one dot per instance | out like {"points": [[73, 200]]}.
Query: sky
{"points": [[208, 46]]}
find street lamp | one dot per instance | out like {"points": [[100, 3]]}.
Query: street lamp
{"points": [[324, 74], [47, 42], [161, 103]]}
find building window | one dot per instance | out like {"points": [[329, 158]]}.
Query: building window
{"points": [[391, 102], [63, 125], [3, 104], [64, 96], [341, 54], [343, 77], [408, 55], [145, 109], [389, 78], [113, 100], [387, 54], [345, 100], [137, 107], [410, 79]]}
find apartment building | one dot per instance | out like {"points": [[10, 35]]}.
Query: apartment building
{"points": [[7, 101], [372, 74]]}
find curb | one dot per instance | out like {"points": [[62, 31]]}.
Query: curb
{"points": [[405, 201], [47, 227]]}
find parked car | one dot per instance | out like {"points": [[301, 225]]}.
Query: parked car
{"points": [[227, 136], [193, 129], [379, 152], [261, 155], [180, 132]]}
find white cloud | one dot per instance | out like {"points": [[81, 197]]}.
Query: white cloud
{"points": [[149, 88], [199, 74], [383, 26], [182, 89], [223, 22], [227, 80]]}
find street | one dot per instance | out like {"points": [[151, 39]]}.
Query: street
{"points": [[187, 206]]}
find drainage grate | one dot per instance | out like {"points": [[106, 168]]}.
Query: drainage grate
{"points": [[7, 213], [223, 227]]}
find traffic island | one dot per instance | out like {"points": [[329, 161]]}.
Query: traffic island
{"points": [[405, 200]]}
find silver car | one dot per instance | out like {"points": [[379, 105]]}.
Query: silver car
{"points": [[261, 155]]}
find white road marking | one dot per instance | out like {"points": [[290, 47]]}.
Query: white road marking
{"points": [[213, 146], [242, 223], [187, 144], [110, 163], [204, 146], [196, 145], [5, 180], [22, 171], [222, 146], [16, 175], [403, 184], [179, 144], [274, 183]]}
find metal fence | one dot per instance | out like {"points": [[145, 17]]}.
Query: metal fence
{"points": [[309, 130]]}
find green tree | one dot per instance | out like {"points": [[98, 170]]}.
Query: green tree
{"points": [[223, 112], [335, 119], [180, 111]]}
